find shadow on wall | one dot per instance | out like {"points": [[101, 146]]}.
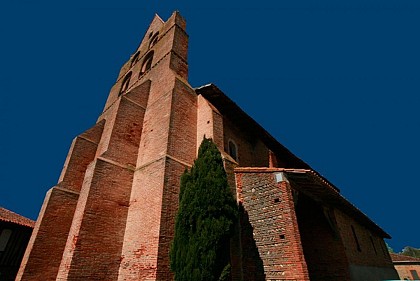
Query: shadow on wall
{"points": [[252, 264], [322, 246]]}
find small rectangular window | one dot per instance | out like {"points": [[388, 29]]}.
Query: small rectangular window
{"points": [[415, 274]]}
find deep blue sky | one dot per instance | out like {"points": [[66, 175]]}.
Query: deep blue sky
{"points": [[337, 82]]}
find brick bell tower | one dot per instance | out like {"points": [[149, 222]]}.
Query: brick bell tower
{"points": [[111, 215]]}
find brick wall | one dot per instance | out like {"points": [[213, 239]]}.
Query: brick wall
{"points": [[373, 251], [182, 140], [81, 153], [105, 193], [43, 254], [252, 152], [155, 26], [174, 170], [94, 243], [289, 235], [271, 247], [167, 147], [242, 141], [140, 247], [404, 270], [207, 123]]}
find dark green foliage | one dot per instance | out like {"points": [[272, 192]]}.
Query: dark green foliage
{"points": [[410, 251], [204, 223], [225, 275]]}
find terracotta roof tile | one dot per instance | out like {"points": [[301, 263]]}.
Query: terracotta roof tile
{"points": [[403, 258], [9, 216]]}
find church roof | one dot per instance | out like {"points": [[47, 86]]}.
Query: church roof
{"points": [[304, 177], [233, 112], [9, 216]]}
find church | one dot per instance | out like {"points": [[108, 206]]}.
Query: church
{"points": [[111, 214]]}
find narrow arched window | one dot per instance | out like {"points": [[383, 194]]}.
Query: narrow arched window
{"points": [[153, 40], [373, 245], [147, 63], [233, 150], [135, 59], [356, 239], [125, 83]]}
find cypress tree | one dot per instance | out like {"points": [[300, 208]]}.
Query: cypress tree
{"points": [[204, 224]]}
